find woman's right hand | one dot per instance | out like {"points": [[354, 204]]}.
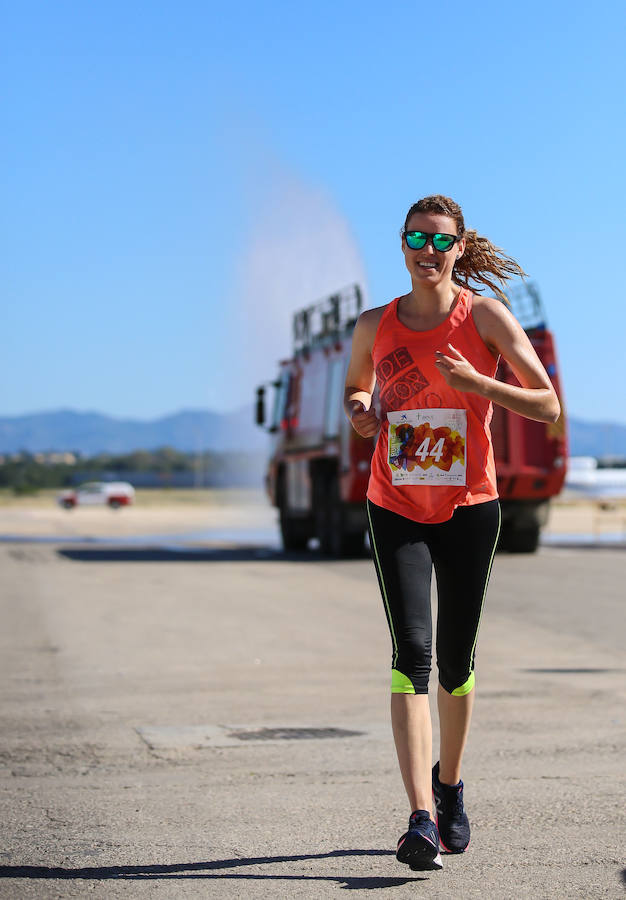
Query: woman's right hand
{"points": [[364, 421], [360, 377]]}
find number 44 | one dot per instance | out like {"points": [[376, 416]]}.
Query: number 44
{"points": [[437, 451]]}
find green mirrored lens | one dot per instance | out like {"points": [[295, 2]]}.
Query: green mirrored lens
{"points": [[415, 239], [443, 241]]}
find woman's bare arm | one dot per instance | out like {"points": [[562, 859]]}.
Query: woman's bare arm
{"points": [[536, 398], [361, 378]]}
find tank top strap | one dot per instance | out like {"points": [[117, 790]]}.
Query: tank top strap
{"points": [[388, 318], [463, 308], [391, 311]]}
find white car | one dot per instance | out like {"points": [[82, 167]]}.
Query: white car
{"points": [[98, 493]]}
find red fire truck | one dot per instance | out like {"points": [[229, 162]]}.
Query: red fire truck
{"points": [[319, 466]]}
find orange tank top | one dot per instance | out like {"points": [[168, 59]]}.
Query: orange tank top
{"points": [[434, 449]]}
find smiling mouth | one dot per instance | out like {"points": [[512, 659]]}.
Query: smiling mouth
{"points": [[425, 265]]}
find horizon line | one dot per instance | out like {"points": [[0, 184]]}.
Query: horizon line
{"points": [[202, 410]]}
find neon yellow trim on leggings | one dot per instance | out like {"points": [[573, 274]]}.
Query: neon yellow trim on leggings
{"points": [[400, 684], [384, 589], [465, 688]]}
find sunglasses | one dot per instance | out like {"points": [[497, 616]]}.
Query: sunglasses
{"points": [[418, 239]]}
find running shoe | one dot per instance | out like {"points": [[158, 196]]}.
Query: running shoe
{"points": [[419, 847], [452, 822]]}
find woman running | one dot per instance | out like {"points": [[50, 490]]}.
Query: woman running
{"points": [[432, 498]]}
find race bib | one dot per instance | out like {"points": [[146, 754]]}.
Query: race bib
{"points": [[427, 446]]}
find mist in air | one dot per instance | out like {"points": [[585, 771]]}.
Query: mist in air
{"points": [[299, 249]]}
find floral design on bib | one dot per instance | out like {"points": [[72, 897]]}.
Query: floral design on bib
{"points": [[427, 446]]}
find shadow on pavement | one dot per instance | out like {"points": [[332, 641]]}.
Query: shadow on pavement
{"points": [[203, 870], [585, 671], [189, 554], [583, 543]]}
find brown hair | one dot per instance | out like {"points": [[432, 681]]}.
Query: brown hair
{"points": [[482, 261]]}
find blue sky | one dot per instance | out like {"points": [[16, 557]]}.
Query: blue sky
{"points": [[178, 178]]}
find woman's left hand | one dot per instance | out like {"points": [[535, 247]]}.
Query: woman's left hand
{"points": [[458, 371]]}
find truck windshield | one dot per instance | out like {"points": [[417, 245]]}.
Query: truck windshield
{"points": [[334, 397], [280, 401]]}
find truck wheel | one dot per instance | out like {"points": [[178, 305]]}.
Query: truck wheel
{"points": [[68, 504], [521, 540], [114, 504], [295, 533], [335, 540], [521, 524]]}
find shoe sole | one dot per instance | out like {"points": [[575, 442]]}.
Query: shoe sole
{"points": [[419, 854]]}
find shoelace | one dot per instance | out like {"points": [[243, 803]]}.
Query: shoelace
{"points": [[416, 820], [453, 801]]}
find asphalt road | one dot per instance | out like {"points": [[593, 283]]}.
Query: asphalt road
{"points": [[215, 723]]}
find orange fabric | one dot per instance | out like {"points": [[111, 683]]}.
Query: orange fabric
{"points": [[407, 379]]}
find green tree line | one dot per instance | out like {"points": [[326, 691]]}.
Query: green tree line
{"points": [[27, 473]]}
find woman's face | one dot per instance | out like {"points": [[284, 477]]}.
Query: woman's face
{"points": [[429, 266]]}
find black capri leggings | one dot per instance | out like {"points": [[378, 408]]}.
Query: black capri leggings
{"points": [[462, 551]]}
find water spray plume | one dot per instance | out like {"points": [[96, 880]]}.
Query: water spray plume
{"points": [[298, 249]]}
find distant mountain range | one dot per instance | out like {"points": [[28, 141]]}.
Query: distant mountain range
{"points": [[90, 433], [599, 439], [192, 430]]}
